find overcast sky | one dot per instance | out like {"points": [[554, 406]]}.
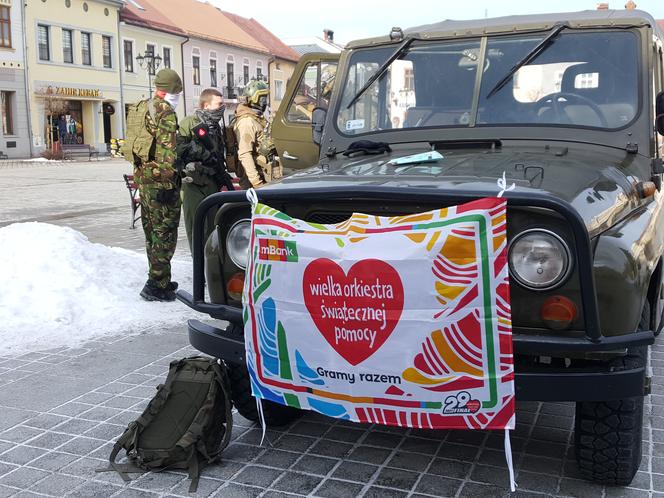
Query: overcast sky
{"points": [[352, 19]]}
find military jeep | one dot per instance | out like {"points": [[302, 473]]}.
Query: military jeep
{"points": [[571, 112]]}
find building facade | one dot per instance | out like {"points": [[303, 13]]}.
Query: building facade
{"points": [[74, 87], [144, 30], [14, 133]]}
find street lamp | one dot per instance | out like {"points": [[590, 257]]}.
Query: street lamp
{"points": [[151, 62]]}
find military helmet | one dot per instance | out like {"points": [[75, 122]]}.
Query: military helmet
{"points": [[168, 80], [254, 91]]}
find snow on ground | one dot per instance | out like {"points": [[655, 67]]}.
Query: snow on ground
{"points": [[60, 289]]}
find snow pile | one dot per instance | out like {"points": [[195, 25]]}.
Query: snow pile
{"points": [[59, 289]]}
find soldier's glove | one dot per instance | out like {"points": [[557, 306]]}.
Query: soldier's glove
{"points": [[167, 195], [191, 166]]}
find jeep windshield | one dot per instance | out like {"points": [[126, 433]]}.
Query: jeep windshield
{"points": [[582, 79]]}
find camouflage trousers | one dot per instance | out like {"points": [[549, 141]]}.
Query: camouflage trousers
{"points": [[160, 224]]}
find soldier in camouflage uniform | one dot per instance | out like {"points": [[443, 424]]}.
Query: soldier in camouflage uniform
{"points": [[159, 188], [259, 163], [203, 169]]}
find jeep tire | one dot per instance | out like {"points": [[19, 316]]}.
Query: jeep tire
{"points": [[608, 434], [274, 414]]}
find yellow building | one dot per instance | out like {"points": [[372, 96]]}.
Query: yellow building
{"points": [[73, 59]]}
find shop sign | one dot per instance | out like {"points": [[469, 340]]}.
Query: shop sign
{"points": [[64, 91]]}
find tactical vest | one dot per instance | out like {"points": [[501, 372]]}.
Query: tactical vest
{"points": [[139, 144]]}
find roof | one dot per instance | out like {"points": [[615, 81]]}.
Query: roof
{"points": [[147, 17], [202, 20], [536, 21], [661, 24], [311, 44], [259, 32]]}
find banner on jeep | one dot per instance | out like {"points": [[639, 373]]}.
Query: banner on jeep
{"points": [[400, 321]]}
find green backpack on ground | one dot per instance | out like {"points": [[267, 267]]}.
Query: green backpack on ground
{"points": [[139, 143], [185, 426]]}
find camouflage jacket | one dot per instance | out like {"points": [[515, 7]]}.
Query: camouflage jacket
{"points": [[161, 173], [189, 149]]}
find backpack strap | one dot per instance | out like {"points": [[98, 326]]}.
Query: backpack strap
{"points": [[152, 110]]}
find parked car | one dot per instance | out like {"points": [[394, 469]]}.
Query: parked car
{"points": [[570, 112]]}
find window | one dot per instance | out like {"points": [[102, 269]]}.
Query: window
{"points": [[5, 27], [67, 46], [259, 70], [278, 89], [230, 79], [196, 66], [43, 42], [86, 56], [149, 49], [409, 79], [106, 49], [245, 74], [6, 101], [306, 98], [586, 80], [167, 57], [128, 56], [213, 72]]}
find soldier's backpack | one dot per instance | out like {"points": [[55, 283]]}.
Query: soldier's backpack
{"points": [[185, 426], [139, 144], [231, 146]]}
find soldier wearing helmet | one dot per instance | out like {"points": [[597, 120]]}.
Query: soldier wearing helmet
{"points": [[327, 76], [258, 161]]}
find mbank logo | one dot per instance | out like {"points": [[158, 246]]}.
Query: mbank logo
{"points": [[277, 250]]}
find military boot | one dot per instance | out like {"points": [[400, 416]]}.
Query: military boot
{"points": [[152, 292]]}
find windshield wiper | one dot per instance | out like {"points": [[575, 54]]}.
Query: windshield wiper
{"points": [[538, 49], [397, 53]]}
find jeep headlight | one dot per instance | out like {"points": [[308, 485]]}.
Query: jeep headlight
{"points": [[237, 243], [539, 259]]}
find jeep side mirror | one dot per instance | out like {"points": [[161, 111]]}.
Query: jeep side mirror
{"points": [[659, 113], [317, 122]]}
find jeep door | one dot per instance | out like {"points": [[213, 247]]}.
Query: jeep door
{"points": [[309, 87]]}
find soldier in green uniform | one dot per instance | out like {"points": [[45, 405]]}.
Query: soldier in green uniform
{"points": [[151, 138], [258, 159], [203, 168]]}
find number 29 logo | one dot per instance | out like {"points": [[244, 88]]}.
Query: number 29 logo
{"points": [[460, 403]]}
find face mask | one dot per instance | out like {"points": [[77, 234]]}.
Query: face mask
{"points": [[262, 103], [216, 114], [173, 99]]}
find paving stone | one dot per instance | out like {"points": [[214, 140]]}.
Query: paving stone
{"points": [[293, 442], [136, 493], [353, 471], [369, 454], [81, 445], [57, 485], [344, 434], [438, 485], [458, 451], [241, 452], [332, 488], [206, 487], [277, 458], [537, 482], [278, 494], [626, 493], [105, 431], [121, 402], [550, 466], [305, 428], [395, 478], [449, 468], [545, 449], [409, 461], [313, 464], [420, 445], [233, 490], [332, 449], [86, 467], [577, 488], [5, 445], [295, 482], [100, 413], [474, 490], [75, 426], [257, 476], [222, 470], [472, 438], [5, 468], [50, 440], [20, 434], [21, 455], [382, 439], [490, 475], [94, 398], [45, 420], [376, 492], [71, 409], [23, 477], [159, 481], [6, 492], [53, 461]]}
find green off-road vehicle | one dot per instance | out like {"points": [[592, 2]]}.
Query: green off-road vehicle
{"points": [[571, 108]]}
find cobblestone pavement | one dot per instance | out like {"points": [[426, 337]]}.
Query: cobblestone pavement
{"points": [[61, 409]]}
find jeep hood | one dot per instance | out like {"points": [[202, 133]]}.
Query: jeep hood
{"points": [[594, 180]]}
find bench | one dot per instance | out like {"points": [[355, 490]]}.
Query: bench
{"points": [[135, 198], [3, 155], [71, 150]]}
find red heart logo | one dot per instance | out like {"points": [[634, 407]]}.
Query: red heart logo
{"points": [[355, 313], [473, 405]]}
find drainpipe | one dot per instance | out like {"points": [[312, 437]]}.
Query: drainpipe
{"points": [[184, 97], [121, 69], [26, 83]]}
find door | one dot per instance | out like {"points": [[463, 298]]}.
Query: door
{"points": [[310, 87]]}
